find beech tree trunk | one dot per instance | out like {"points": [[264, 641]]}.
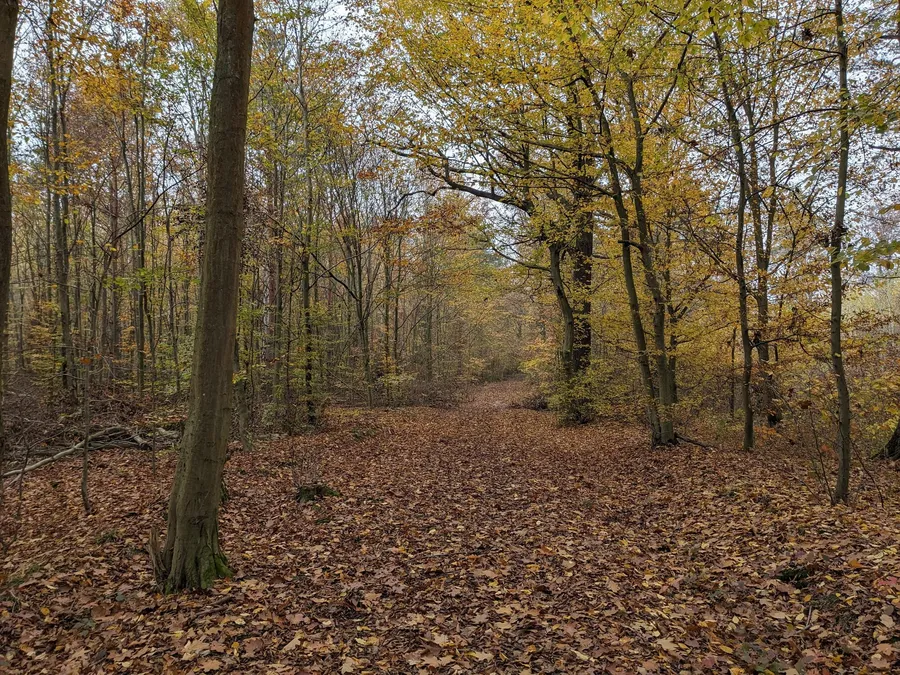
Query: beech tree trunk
{"points": [[743, 291], [665, 374], [9, 12], [582, 275], [762, 241], [305, 272], [60, 197], [192, 558], [637, 324], [842, 486], [565, 307]]}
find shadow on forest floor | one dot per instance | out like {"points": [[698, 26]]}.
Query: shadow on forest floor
{"points": [[481, 539]]}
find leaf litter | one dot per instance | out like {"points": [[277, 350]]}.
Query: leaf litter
{"points": [[478, 539]]}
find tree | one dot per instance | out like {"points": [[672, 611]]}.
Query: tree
{"points": [[192, 558], [743, 292], [836, 241], [9, 13]]}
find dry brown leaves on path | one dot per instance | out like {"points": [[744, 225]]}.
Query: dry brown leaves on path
{"points": [[480, 539]]}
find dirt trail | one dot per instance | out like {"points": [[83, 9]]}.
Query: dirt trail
{"points": [[482, 539], [508, 393]]}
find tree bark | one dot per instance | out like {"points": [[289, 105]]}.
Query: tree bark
{"points": [[743, 292], [9, 12], [762, 240], [664, 373], [637, 324], [582, 275], [192, 558], [565, 308], [891, 450], [842, 486], [305, 272], [60, 200]]}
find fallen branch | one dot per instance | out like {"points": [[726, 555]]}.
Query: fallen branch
{"points": [[111, 437], [685, 439]]}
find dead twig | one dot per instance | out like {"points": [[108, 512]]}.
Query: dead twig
{"points": [[685, 439], [111, 437]]}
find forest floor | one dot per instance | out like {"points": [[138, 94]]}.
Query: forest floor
{"points": [[478, 539]]}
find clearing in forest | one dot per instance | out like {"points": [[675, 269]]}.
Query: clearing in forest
{"points": [[478, 539]]}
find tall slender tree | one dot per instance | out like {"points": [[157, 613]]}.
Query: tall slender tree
{"points": [[192, 558], [836, 242], [9, 13]]}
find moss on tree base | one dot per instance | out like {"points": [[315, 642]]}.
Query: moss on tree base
{"points": [[201, 577]]}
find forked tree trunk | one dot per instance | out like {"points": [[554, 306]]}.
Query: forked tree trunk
{"points": [[762, 241], [660, 394], [9, 11], [192, 558], [60, 199], [743, 291], [637, 323]]}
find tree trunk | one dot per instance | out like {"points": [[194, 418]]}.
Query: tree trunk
{"points": [[637, 324], [115, 330], [386, 315], [60, 213], [665, 375], [582, 274], [306, 305], [173, 300], [731, 382], [842, 486], [305, 272], [140, 258], [242, 400], [9, 11], [743, 293], [892, 449], [86, 417], [773, 412], [762, 240], [277, 322], [565, 309], [192, 558]]}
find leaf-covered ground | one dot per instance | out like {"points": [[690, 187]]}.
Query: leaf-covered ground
{"points": [[482, 539]]}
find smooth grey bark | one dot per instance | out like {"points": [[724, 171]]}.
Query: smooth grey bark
{"points": [[192, 558]]}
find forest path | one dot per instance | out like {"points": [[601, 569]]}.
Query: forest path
{"points": [[509, 393], [477, 539]]}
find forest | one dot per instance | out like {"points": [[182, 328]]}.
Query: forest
{"points": [[450, 336]]}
